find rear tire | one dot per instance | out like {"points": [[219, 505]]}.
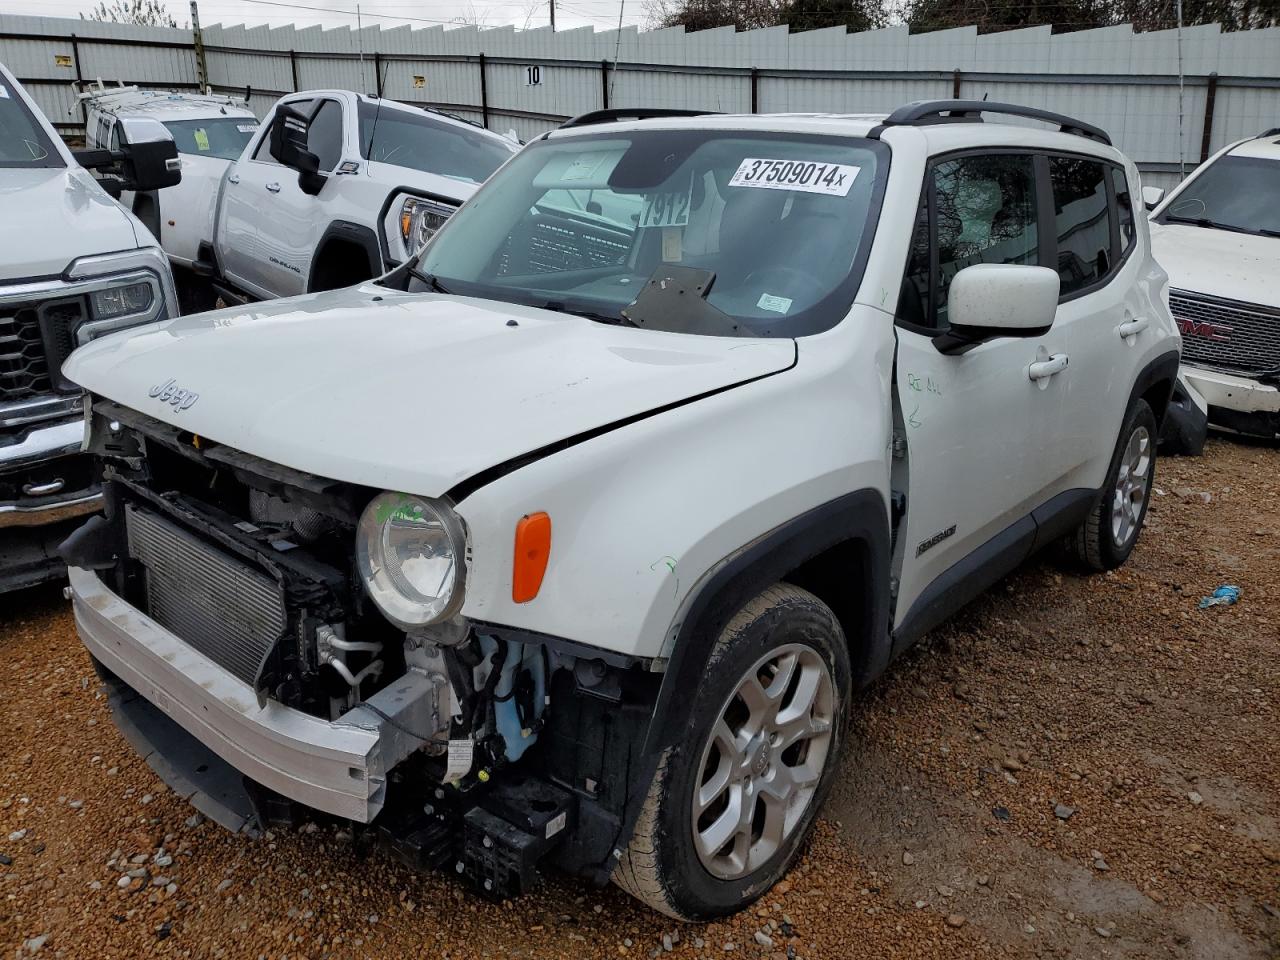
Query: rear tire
{"points": [[735, 796], [1108, 535]]}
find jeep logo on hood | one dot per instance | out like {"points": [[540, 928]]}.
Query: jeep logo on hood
{"points": [[176, 396]]}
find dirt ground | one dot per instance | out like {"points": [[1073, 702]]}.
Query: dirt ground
{"points": [[1074, 767]]}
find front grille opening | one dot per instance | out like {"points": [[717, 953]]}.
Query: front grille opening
{"points": [[24, 367], [1225, 334]]}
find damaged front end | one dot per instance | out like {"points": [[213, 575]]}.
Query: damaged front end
{"points": [[226, 607]]}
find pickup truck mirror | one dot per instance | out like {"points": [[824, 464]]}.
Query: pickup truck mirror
{"points": [[289, 131], [147, 158], [1151, 197], [998, 300]]}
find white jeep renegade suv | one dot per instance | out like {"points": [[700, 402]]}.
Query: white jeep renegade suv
{"points": [[573, 539]]}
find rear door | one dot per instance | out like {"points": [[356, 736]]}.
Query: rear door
{"points": [[1100, 311], [292, 222], [979, 431]]}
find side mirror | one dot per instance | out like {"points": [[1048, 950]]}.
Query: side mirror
{"points": [[1151, 197], [149, 157], [289, 131], [998, 300]]}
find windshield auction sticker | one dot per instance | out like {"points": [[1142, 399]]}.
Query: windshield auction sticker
{"points": [[668, 208], [832, 179]]}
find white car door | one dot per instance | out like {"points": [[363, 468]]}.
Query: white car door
{"points": [[1101, 311], [977, 426], [244, 206], [293, 221]]}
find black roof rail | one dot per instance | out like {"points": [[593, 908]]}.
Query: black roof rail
{"points": [[971, 111], [1270, 133], [628, 113]]}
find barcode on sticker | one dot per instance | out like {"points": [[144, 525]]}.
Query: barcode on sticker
{"points": [[556, 824], [809, 176]]}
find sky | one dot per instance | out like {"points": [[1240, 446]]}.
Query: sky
{"points": [[601, 14]]}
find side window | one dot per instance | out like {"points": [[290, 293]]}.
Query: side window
{"points": [[324, 139], [985, 208], [1124, 211], [115, 137], [1080, 221]]}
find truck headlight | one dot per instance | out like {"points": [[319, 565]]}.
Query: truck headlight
{"points": [[419, 221], [121, 301], [124, 290], [410, 552]]}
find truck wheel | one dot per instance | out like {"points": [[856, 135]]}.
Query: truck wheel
{"points": [[1107, 537], [735, 796]]}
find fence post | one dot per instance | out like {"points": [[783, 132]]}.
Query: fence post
{"points": [[202, 68], [1210, 95], [484, 95], [955, 84], [293, 69], [755, 90], [604, 84], [377, 74], [84, 108]]}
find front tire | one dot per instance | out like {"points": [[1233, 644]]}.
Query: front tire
{"points": [[1108, 535], [736, 795]]}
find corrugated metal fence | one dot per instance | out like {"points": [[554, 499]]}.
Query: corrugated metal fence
{"points": [[1125, 82]]}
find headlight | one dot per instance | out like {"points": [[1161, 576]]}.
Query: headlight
{"points": [[419, 221], [121, 301], [410, 552]]}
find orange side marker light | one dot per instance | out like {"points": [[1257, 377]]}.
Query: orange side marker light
{"points": [[533, 549]]}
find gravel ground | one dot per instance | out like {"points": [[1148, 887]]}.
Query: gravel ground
{"points": [[1074, 767]]}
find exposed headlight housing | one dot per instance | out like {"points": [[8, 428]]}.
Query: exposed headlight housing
{"points": [[419, 221], [411, 554], [124, 290]]}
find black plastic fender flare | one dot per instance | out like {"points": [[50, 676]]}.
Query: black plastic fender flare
{"points": [[861, 516], [348, 232]]}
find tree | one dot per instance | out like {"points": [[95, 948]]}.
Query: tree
{"points": [[993, 15], [753, 14], [142, 13]]}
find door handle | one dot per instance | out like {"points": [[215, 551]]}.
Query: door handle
{"points": [[1044, 369], [1131, 328], [273, 188], [234, 178]]}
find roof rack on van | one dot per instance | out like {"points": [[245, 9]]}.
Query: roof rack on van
{"points": [[970, 111], [629, 113]]}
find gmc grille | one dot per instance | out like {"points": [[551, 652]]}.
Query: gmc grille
{"points": [[222, 608], [1226, 334]]}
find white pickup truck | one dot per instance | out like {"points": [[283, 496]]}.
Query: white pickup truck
{"points": [[336, 188], [74, 264]]}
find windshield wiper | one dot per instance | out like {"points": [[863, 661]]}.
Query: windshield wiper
{"points": [[429, 279], [1206, 222], [558, 306]]}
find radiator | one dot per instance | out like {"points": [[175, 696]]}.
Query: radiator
{"points": [[217, 605]]}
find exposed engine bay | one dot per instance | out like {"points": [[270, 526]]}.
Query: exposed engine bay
{"points": [[501, 748]]}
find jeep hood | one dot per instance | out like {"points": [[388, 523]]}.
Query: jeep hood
{"points": [[409, 392], [1220, 263], [53, 215]]}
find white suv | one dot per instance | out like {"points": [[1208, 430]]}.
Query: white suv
{"points": [[574, 538], [1218, 235]]}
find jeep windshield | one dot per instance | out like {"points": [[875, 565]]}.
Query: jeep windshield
{"points": [[772, 229], [23, 142], [1239, 194]]}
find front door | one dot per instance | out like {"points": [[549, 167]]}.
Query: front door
{"points": [[979, 430], [298, 220]]}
